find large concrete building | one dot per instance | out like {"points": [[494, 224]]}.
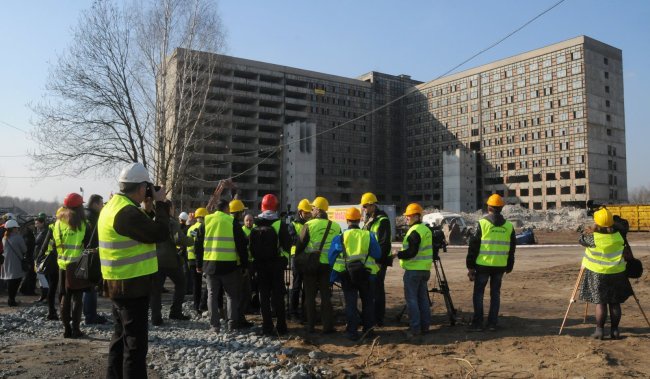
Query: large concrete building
{"points": [[545, 129]]}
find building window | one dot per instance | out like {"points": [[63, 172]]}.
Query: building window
{"points": [[608, 117], [607, 103], [605, 60], [609, 132], [607, 89], [606, 75]]}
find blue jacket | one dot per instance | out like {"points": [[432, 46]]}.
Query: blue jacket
{"points": [[336, 248]]}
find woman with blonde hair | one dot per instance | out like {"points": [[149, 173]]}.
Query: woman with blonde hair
{"points": [[71, 236]]}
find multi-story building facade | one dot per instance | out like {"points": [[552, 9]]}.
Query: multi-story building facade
{"points": [[546, 128]]}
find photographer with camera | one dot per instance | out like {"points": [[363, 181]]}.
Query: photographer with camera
{"points": [[127, 250], [490, 254]]}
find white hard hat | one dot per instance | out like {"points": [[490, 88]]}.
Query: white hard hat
{"points": [[184, 216], [9, 216], [134, 173], [11, 224]]}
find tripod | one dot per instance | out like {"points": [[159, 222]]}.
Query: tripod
{"points": [[442, 288]]}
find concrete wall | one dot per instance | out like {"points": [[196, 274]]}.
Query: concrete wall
{"points": [[459, 184], [299, 164]]}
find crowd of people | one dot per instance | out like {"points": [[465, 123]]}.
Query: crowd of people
{"points": [[233, 261]]}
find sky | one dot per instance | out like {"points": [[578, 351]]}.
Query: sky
{"points": [[423, 39]]}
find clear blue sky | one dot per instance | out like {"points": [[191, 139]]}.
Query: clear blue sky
{"points": [[348, 38]]}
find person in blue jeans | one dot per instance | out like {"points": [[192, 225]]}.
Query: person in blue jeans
{"points": [[490, 254], [361, 247], [416, 258]]}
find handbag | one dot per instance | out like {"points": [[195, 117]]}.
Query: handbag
{"points": [[309, 263], [24, 264], [633, 266], [89, 268]]}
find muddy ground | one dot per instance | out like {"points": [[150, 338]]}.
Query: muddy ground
{"points": [[533, 301]]}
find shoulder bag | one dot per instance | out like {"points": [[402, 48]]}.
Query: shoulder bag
{"points": [[309, 263], [89, 268]]}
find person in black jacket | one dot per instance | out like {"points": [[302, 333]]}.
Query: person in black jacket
{"points": [[28, 286], [493, 238], [224, 274], [269, 244], [95, 205], [41, 235]]}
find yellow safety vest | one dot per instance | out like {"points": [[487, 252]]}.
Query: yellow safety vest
{"points": [[298, 227], [219, 243], [122, 257], [424, 258], [607, 256], [247, 231], [495, 244], [190, 249], [52, 244], [316, 229], [276, 226], [357, 248], [69, 243]]}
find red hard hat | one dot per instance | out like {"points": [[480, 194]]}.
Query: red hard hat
{"points": [[269, 203], [73, 200]]}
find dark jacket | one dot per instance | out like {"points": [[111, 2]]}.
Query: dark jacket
{"points": [[285, 241], [91, 219], [135, 224], [166, 251], [293, 233], [475, 246], [414, 245], [383, 235], [41, 236], [220, 267]]}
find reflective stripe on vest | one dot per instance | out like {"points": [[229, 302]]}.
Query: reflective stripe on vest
{"points": [[357, 248], [607, 256], [424, 258], [298, 227], [69, 243], [219, 243], [190, 249], [120, 256], [316, 229], [495, 244]]}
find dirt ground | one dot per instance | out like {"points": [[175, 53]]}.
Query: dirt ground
{"points": [[533, 301]]}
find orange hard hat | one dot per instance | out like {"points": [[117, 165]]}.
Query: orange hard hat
{"points": [[412, 209], [495, 200], [353, 214]]}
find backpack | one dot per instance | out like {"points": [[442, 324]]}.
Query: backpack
{"points": [[264, 244]]}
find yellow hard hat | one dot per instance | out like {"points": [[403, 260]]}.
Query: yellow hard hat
{"points": [[495, 200], [304, 205], [321, 203], [236, 206], [603, 217], [200, 212], [353, 214], [368, 198], [413, 209]]}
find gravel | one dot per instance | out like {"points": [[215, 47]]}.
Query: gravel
{"points": [[182, 349]]}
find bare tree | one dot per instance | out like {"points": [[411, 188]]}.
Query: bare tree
{"points": [[132, 87], [639, 195]]}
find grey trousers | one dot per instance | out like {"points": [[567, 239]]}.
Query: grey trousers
{"points": [[231, 284]]}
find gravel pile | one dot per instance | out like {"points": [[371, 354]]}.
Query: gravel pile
{"points": [[565, 218], [183, 349]]}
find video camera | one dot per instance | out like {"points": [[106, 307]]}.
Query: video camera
{"points": [[438, 240], [150, 190]]}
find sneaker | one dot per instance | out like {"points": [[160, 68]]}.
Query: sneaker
{"points": [[475, 328]]}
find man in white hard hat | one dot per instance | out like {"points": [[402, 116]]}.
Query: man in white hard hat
{"points": [[127, 251]]}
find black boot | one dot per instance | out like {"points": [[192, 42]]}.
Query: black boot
{"points": [[615, 334], [77, 309], [43, 297]]}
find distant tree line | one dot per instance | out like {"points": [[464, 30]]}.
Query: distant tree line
{"points": [[30, 206], [639, 195]]}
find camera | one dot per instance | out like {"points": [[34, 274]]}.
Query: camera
{"points": [[150, 190]]}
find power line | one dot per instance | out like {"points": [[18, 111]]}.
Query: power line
{"points": [[13, 127], [515, 31]]}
